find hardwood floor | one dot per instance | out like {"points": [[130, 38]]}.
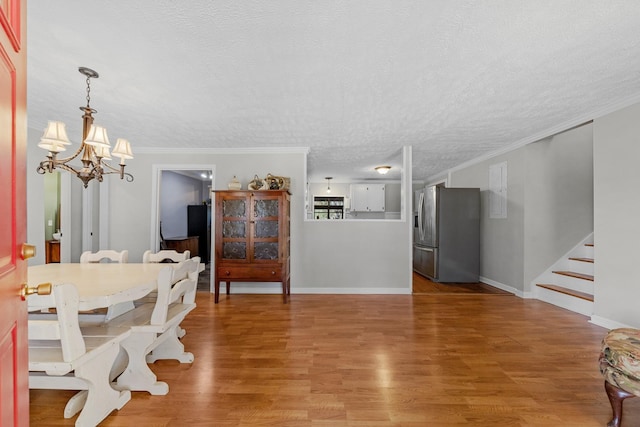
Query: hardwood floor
{"points": [[422, 285], [373, 360]]}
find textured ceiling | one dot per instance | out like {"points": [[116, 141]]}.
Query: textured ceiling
{"points": [[352, 80]]}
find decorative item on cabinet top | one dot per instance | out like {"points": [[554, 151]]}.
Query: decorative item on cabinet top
{"points": [[271, 182], [234, 184], [275, 182], [256, 183]]}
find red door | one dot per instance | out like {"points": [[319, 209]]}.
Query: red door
{"points": [[14, 387]]}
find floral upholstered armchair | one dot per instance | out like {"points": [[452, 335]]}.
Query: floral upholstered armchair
{"points": [[620, 366]]}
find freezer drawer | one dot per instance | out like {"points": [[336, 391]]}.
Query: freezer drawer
{"points": [[425, 261]]}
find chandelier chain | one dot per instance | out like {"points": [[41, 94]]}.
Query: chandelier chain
{"points": [[88, 91]]}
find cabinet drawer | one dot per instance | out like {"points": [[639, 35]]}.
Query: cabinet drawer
{"points": [[258, 274]]}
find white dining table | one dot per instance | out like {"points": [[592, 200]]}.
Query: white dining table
{"points": [[99, 285]]}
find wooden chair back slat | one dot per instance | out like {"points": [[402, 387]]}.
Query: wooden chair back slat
{"points": [[108, 254], [169, 255], [174, 284]]}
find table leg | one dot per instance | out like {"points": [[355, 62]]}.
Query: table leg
{"points": [[118, 309]]}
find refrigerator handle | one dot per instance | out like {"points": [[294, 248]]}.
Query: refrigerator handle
{"points": [[421, 216]]}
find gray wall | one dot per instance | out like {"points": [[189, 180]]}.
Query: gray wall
{"points": [[393, 196], [74, 232], [356, 257], [364, 257], [177, 191], [132, 226], [558, 199], [549, 209], [368, 256], [51, 203], [36, 232], [617, 216]]}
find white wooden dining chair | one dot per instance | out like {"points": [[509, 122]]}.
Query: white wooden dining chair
{"points": [[62, 357], [167, 255], [105, 254], [121, 257]]}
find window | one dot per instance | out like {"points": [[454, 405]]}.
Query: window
{"points": [[328, 207]]}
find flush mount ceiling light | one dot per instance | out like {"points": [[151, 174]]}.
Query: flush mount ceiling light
{"points": [[382, 170], [94, 146], [328, 178]]}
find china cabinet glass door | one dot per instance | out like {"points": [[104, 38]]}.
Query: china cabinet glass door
{"points": [[265, 210], [234, 229]]}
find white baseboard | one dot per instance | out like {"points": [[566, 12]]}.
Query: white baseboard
{"points": [[276, 288], [504, 287], [607, 323], [353, 291]]}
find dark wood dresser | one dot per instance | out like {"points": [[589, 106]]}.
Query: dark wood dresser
{"points": [[181, 244]]}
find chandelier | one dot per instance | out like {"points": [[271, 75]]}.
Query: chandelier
{"points": [[95, 146]]}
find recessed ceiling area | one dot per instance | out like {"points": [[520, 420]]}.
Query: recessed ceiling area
{"points": [[354, 81]]}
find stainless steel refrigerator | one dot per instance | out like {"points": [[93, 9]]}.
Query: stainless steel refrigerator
{"points": [[446, 235]]}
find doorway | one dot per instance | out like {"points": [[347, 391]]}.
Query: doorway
{"points": [[57, 217], [181, 208]]}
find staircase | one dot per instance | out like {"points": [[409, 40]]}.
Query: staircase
{"points": [[569, 282]]}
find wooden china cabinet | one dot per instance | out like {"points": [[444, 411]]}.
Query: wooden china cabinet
{"points": [[252, 240]]}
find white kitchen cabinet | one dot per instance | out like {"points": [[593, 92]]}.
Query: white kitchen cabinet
{"points": [[367, 197]]}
